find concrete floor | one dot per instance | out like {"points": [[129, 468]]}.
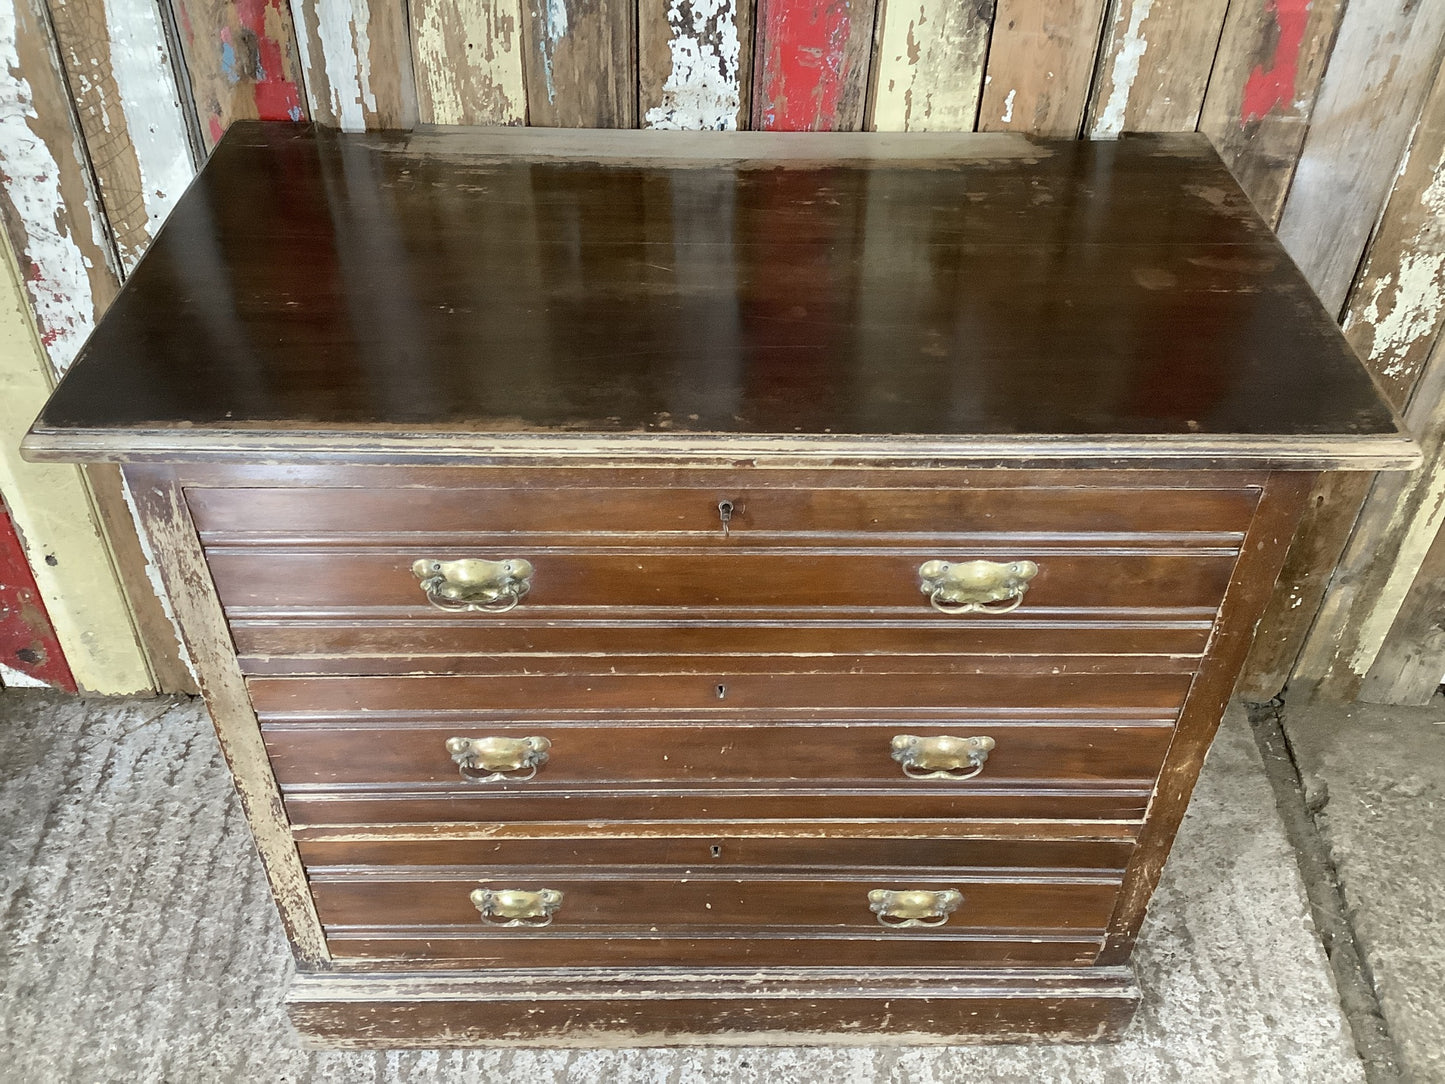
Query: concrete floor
{"points": [[137, 942]]}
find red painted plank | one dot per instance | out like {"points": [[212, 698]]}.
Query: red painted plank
{"points": [[812, 64], [1275, 86], [27, 640]]}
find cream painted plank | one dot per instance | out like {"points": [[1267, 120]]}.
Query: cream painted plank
{"points": [[1154, 66], [928, 65], [1408, 667], [56, 520], [357, 63], [1397, 307], [1399, 522], [1379, 73], [242, 62], [695, 64], [467, 55], [118, 66], [1262, 91], [1040, 62]]}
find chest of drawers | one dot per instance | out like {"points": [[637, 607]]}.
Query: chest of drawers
{"points": [[734, 589]]}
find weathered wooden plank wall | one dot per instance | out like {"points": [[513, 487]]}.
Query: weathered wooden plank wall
{"points": [[1329, 113]]}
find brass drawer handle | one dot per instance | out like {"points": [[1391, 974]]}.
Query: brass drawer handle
{"points": [[474, 584], [914, 906], [514, 907], [943, 757], [976, 587], [487, 760]]}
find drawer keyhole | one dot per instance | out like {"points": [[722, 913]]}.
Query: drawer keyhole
{"points": [[722, 692], [716, 850], [725, 513]]}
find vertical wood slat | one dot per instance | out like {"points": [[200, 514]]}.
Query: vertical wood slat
{"points": [[1262, 91], [1154, 65], [811, 65], [695, 63], [581, 63], [242, 61], [117, 64], [1408, 669], [1399, 521], [1040, 62], [1380, 70], [356, 57], [467, 55], [1371, 97], [28, 645], [928, 65]]}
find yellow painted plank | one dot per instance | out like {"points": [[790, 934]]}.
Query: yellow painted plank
{"points": [[928, 66], [467, 55], [57, 523]]}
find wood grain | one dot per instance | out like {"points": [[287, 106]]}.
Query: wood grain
{"points": [[242, 60], [122, 82], [163, 512], [1260, 561], [1262, 91], [1410, 661], [811, 65], [1154, 65], [752, 1007], [357, 58], [1040, 63], [467, 55], [581, 63], [695, 63], [1398, 523], [1384, 60], [928, 65]]}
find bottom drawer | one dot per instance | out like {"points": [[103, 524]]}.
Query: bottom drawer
{"points": [[617, 914]]}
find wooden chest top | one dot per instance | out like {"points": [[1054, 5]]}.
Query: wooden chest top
{"points": [[978, 297]]}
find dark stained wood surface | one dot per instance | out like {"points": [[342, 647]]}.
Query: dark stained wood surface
{"points": [[679, 755], [316, 281]]}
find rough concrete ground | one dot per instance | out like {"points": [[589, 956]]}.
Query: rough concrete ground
{"points": [[137, 942], [1374, 779]]}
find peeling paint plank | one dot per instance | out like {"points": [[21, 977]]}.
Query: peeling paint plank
{"points": [[118, 66], [357, 60], [695, 63], [49, 208], [928, 66], [467, 55], [1040, 61], [581, 63], [1154, 66], [1399, 521], [1262, 91], [242, 61], [1380, 70], [1407, 670], [811, 65], [1397, 307], [28, 645]]}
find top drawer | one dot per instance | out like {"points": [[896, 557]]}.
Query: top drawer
{"points": [[766, 505]]}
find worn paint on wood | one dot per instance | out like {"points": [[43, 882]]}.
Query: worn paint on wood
{"points": [[694, 63], [811, 62], [27, 641], [56, 520], [1262, 91], [49, 208], [1154, 65], [1040, 62], [118, 66], [1380, 71], [1407, 670], [581, 63], [1397, 307], [467, 55], [242, 61], [1399, 521], [928, 66], [357, 56]]}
